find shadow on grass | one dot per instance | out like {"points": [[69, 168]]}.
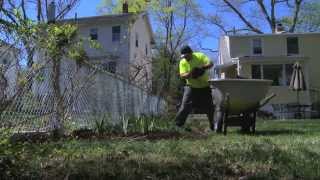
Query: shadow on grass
{"points": [[262, 159], [125, 167], [214, 165], [279, 132]]}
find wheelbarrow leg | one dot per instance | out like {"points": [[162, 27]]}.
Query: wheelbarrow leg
{"points": [[225, 129], [219, 111], [254, 122], [225, 121], [226, 113], [218, 121]]}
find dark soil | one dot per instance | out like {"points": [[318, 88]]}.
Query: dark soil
{"points": [[156, 135]]}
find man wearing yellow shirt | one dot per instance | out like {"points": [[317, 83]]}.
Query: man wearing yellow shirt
{"points": [[193, 67]]}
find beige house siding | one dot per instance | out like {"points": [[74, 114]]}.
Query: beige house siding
{"points": [[274, 51], [311, 47], [138, 56], [284, 94], [110, 51], [124, 52]]}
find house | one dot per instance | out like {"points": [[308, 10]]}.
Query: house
{"points": [[9, 68], [126, 41], [271, 56], [122, 68]]}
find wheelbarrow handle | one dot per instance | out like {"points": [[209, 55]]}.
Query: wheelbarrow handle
{"points": [[266, 99]]}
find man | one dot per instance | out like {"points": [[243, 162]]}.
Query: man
{"points": [[193, 67]]}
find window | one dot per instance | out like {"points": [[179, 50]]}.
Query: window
{"points": [[292, 45], [146, 49], [94, 34], [116, 33], [274, 73], [256, 72], [112, 67], [137, 40], [280, 74], [257, 46]]}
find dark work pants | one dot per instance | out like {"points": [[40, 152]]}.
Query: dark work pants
{"points": [[200, 98]]}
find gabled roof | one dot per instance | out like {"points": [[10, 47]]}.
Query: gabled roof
{"points": [[110, 18], [83, 20], [147, 19], [271, 34]]}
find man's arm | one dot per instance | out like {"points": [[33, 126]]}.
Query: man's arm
{"points": [[207, 66], [186, 75]]}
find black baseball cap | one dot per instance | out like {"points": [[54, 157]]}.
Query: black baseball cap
{"points": [[185, 50]]}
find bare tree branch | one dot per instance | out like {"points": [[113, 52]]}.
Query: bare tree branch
{"points": [[23, 7], [207, 49], [265, 13], [296, 13], [181, 33], [273, 16], [254, 29]]}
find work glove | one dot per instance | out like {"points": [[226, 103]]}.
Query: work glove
{"points": [[197, 72]]}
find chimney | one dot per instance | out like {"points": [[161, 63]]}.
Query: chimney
{"points": [[280, 29], [51, 12], [125, 7]]}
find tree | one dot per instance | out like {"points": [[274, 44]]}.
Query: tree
{"points": [[55, 41], [58, 42], [10, 22], [309, 20], [115, 6], [257, 16], [172, 19]]}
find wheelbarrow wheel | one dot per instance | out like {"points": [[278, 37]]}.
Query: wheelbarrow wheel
{"points": [[246, 123], [249, 123]]}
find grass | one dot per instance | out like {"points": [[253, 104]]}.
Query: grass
{"points": [[279, 150]]}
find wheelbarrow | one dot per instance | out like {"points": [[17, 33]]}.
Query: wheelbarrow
{"points": [[237, 101]]}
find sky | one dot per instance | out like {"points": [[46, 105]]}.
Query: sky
{"points": [[90, 8]]}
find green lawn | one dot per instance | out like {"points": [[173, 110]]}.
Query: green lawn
{"points": [[279, 150]]}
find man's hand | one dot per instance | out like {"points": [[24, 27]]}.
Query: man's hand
{"points": [[197, 72]]}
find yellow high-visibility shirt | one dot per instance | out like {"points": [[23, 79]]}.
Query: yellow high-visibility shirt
{"points": [[198, 60]]}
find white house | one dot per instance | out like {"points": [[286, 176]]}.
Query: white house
{"points": [[126, 41], [271, 56]]}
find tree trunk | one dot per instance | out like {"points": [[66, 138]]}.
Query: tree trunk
{"points": [[3, 86], [58, 110]]}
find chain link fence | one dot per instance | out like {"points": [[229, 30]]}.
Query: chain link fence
{"points": [[87, 93]]}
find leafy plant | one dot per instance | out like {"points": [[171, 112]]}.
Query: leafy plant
{"points": [[125, 123], [102, 124], [99, 126], [146, 124]]}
